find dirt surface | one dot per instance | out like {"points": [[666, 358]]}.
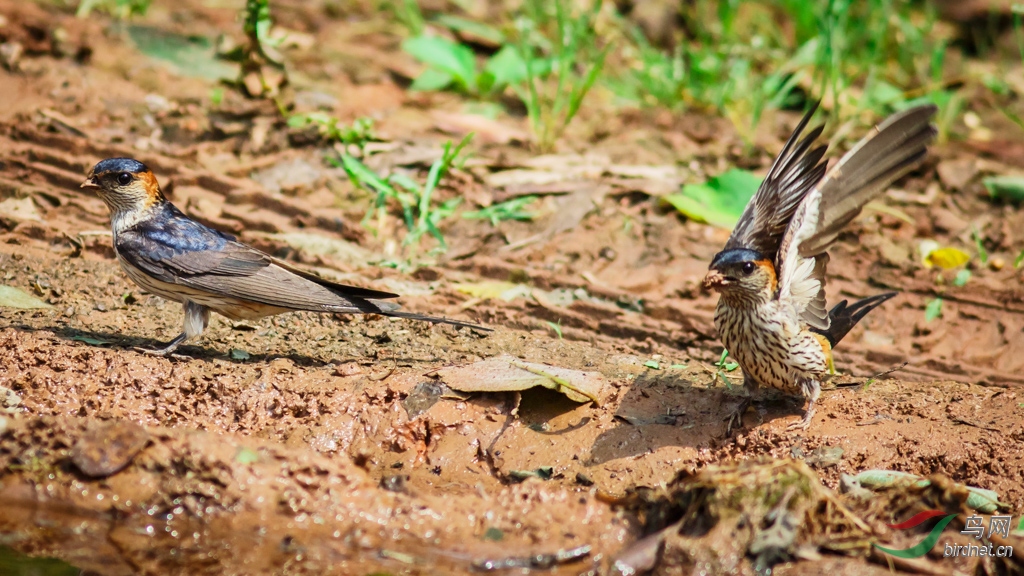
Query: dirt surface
{"points": [[312, 443]]}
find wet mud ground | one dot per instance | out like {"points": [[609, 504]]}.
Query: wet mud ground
{"points": [[312, 443]]}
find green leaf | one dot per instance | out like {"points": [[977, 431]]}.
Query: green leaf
{"points": [[980, 246], [91, 341], [720, 201], [556, 328], [879, 94], [507, 67], [962, 277], [246, 456], [431, 80], [1007, 188], [11, 297], [363, 176], [446, 56], [728, 366], [493, 534], [193, 56], [485, 82], [237, 354], [933, 310], [653, 364]]}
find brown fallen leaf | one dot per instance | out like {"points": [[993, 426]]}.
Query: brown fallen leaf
{"points": [[16, 210], [487, 130], [507, 373]]}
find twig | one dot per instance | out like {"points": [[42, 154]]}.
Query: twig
{"points": [[969, 423], [886, 373]]}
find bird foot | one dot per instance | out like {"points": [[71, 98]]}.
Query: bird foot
{"points": [[162, 353], [804, 422], [736, 417]]}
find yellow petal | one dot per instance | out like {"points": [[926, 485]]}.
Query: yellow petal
{"points": [[947, 258]]}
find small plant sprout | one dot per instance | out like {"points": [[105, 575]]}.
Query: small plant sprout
{"points": [[420, 213], [358, 134], [262, 71], [933, 309], [454, 65], [980, 246], [727, 366], [509, 210], [572, 59], [120, 9], [962, 277], [555, 327], [408, 13]]}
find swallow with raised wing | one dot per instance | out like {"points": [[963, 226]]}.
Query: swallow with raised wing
{"points": [[771, 313]]}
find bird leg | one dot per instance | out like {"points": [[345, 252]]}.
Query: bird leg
{"points": [[811, 389], [168, 348], [197, 318], [735, 418]]}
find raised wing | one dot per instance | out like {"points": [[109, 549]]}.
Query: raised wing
{"points": [[793, 174], [895, 147]]}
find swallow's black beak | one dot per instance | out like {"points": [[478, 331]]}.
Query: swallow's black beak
{"points": [[90, 182]]}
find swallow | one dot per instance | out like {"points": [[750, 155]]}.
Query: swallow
{"points": [[770, 276], [170, 255]]}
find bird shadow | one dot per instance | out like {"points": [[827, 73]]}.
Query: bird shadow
{"points": [[666, 409], [137, 345]]}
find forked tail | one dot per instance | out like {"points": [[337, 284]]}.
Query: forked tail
{"points": [[843, 318], [374, 306]]}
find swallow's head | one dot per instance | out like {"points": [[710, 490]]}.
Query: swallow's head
{"points": [[741, 273], [124, 184]]}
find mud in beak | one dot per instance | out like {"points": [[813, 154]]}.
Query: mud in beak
{"points": [[90, 183], [714, 280]]}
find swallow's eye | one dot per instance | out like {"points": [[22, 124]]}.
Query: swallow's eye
{"points": [[748, 268], [124, 178]]}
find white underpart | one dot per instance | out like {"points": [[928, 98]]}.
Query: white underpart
{"points": [[797, 286], [121, 220]]}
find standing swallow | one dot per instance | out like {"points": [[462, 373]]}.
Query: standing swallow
{"points": [[770, 276], [177, 258]]}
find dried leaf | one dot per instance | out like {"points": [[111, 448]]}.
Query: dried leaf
{"points": [[507, 373], [16, 210], [11, 297], [494, 290]]}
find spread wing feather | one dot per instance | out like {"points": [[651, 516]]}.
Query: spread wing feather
{"points": [[897, 145], [793, 174]]}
